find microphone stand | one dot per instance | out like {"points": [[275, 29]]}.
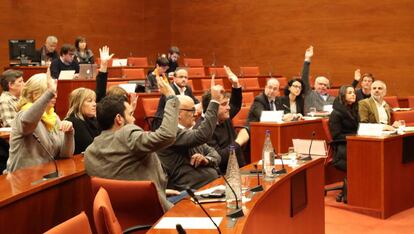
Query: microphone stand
{"points": [[191, 193], [54, 174], [310, 147], [281, 171], [238, 212], [259, 187]]}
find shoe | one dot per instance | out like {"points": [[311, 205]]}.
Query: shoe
{"points": [[345, 191]]}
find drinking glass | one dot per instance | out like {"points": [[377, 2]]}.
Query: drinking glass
{"points": [[312, 111]]}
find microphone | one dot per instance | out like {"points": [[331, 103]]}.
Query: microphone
{"points": [[287, 108], [191, 193], [310, 147], [238, 212], [54, 174], [281, 171], [259, 187], [214, 60], [180, 229]]}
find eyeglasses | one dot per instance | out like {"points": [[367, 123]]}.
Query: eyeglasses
{"points": [[297, 86], [189, 110], [183, 77], [326, 85]]}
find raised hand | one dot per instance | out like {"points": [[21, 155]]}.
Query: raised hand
{"points": [[164, 87], [309, 53], [232, 77], [105, 57], [51, 83], [357, 75]]}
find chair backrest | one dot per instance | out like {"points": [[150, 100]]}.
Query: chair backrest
{"points": [[249, 71], [138, 61], [241, 117], [282, 82], [190, 83], [206, 83], [248, 98], [411, 101], [78, 224], [392, 101], [150, 106], [133, 73], [408, 116], [219, 71], [193, 62], [196, 72], [134, 202], [249, 83], [103, 214]]}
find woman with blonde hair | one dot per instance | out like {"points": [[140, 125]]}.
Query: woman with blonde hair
{"points": [[37, 131]]}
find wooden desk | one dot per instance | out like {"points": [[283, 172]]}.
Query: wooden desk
{"points": [[282, 135], [5, 135], [268, 211], [379, 184], [34, 208]]}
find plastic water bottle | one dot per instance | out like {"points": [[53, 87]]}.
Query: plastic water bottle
{"points": [[268, 158], [234, 178]]}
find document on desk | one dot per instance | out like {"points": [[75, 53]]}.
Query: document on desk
{"points": [[188, 222]]}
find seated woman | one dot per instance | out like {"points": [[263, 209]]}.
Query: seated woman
{"points": [[82, 106], [37, 131], [343, 121], [82, 53], [293, 101]]}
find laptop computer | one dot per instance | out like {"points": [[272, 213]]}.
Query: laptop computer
{"points": [[88, 71]]}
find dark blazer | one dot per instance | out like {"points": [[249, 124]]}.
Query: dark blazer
{"points": [[261, 103], [176, 159], [42, 54], [161, 105], [285, 104]]}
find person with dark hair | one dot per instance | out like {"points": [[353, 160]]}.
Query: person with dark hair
{"points": [[225, 135], [293, 103], [12, 84], [180, 86], [161, 68], [268, 100], [173, 56], [125, 151], [47, 53], [366, 81], [82, 53], [65, 62], [343, 121]]}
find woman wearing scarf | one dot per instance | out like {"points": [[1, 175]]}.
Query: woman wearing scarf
{"points": [[37, 130]]}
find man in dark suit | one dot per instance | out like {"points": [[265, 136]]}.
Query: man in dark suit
{"points": [[266, 101], [180, 87]]}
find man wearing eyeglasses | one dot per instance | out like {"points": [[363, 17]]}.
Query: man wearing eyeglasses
{"points": [[318, 97], [65, 62], [190, 162], [180, 87]]}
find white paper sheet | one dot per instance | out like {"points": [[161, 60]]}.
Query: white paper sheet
{"points": [[129, 88], [119, 62], [5, 129], [302, 146], [208, 191], [271, 116], [66, 75], [188, 222], [288, 162], [370, 129]]}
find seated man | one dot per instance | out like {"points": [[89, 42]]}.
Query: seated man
{"points": [[180, 87], [47, 53], [365, 90], [12, 84], [173, 56], [124, 151], [318, 97], [266, 101], [65, 62], [190, 162], [225, 134], [375, 109], [161, 67]]}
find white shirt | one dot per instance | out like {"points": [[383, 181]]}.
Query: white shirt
{"points": [[382, 113]]}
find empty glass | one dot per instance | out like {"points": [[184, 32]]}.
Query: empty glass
{"points": [[312, 111]]}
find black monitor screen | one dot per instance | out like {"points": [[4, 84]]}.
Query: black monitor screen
{"points": [[22, 49]]}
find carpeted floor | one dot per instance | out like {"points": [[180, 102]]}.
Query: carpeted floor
{"points": [[339, 220]]}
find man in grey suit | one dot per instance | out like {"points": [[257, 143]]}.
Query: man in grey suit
{"points": [[125, 151], [190, 162], [318, 97]]}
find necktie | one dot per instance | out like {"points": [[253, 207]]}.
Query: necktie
{"points": [[272, 106]]}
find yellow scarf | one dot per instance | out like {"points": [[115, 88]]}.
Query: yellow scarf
{"points": [[48, 118]]}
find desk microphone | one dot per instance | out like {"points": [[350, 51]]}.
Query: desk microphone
{"points": [[281, 171], [54, 174], [310, 147], [287, 108], [259, 187], [180, 229], [238, 212], [191, 193]]}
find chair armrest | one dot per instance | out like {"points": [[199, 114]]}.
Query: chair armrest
{"points": [[137, 228]]}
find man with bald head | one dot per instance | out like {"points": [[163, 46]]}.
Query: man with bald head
{"points": [[190, 162], [318, 97], [266, 101], [180, 87], [375, 109]]}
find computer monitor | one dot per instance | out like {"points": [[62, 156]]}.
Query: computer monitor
{"points": [[22, 50]]}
